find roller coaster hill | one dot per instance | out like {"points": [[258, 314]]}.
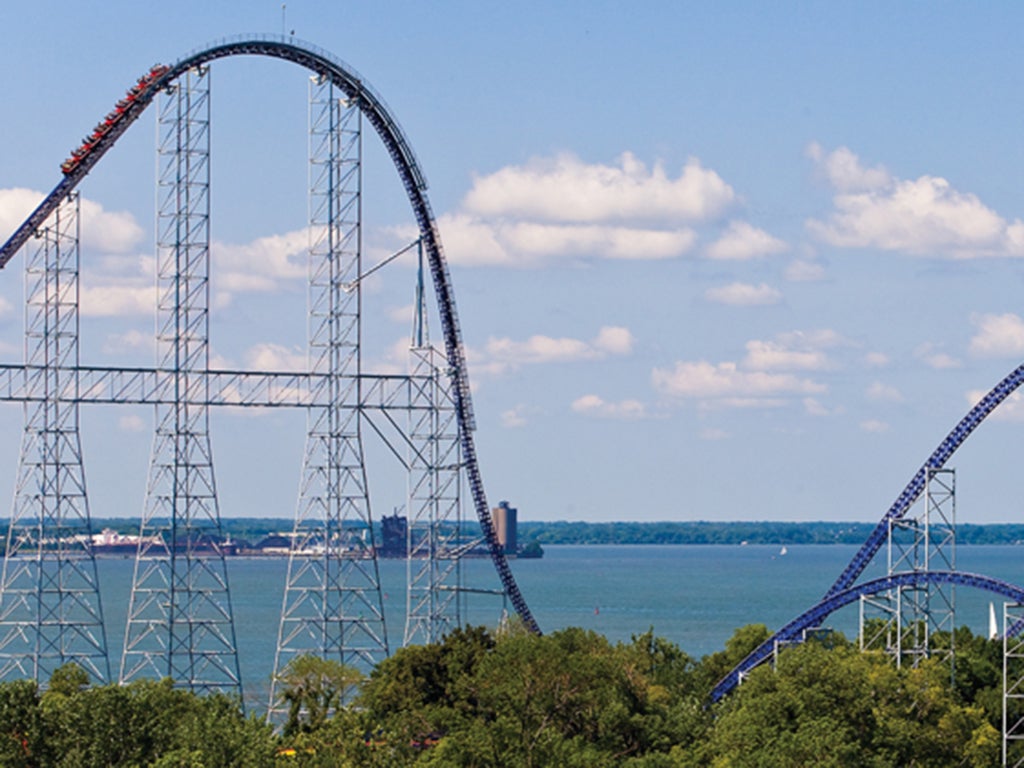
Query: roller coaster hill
{"points": [[50, 601]]}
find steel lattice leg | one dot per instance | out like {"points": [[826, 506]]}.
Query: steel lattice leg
{"points": [[50, 610], [332, 602], [180, 622]]}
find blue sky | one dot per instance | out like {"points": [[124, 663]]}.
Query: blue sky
{"points": [[713, 261]]}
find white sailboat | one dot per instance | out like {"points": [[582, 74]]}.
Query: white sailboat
{"points": [[993, 625]]}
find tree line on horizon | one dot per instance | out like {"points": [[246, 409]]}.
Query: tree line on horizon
{"points": [[511, 698], [253, 529]]}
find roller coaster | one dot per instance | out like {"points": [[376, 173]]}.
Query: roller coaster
{"points": [[180, 622], [330, 595]]}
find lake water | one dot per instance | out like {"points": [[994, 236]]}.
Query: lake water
{"points": [[693, 595]]}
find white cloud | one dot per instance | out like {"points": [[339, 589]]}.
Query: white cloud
{"points": [[401, 314], [564, 208], [132, 340], [813, 407], [774, 356], [132, 423], [803, 271], [744, 295], [1011, 409], [844, 172], [275, 357], [796, 350], [565, 189], [117, 300], [101, 230], [932, 356], [874, 426], [876, 359], [262, 264], [517, 416], [880, 392], [762, 379], [997, 336], [471, 241], [541, 240], [593, 405], [922, 216], [501, 355], [743, 241], [714, 433], [614, 340], [727, 383]]}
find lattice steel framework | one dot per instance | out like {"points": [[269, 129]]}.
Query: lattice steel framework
{"points": [[175, 582], [435, 535], [180, 622], [909, 616], [333, 606], [1013, 685], [50, 609]]}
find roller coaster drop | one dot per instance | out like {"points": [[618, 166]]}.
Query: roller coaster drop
{"points": [[180, 621]]}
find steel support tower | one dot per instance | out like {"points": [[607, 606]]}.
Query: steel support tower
{"points": [[180, 622], [333, 606], [910, 616], [1013, 685], [435, 536], [50, 609]]}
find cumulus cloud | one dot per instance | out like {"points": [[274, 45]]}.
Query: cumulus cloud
{"points": [[517, 416], [880, 392], [997, 336], [796, 350], [501, 355], [874, 426], [564, 208], [276, 357], [933, 356], [117, 300], [132, 423], [766, 377], [876, 359], [743, 241], [101, 230], [804, 271], [475, 242], [262, 264], [744, 295], [773, 355], [1011, 409], [813, 407], [132, 340], [593, 405], [728, 384], [844, 171], [565, 189], [874, 209]]}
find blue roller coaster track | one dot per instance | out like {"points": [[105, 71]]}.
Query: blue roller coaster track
{"points": [[876, 539], [793, 631], [373, 108], [841, 593]]}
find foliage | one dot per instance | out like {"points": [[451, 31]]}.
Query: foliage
{"points": [[571, 698], [313, 688], [144, 723]]}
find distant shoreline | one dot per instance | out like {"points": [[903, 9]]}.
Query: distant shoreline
{"points": [[244, 533]]}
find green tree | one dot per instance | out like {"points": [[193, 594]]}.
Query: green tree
{"points": [[313, 688], [840, 707], [22, 740]]}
